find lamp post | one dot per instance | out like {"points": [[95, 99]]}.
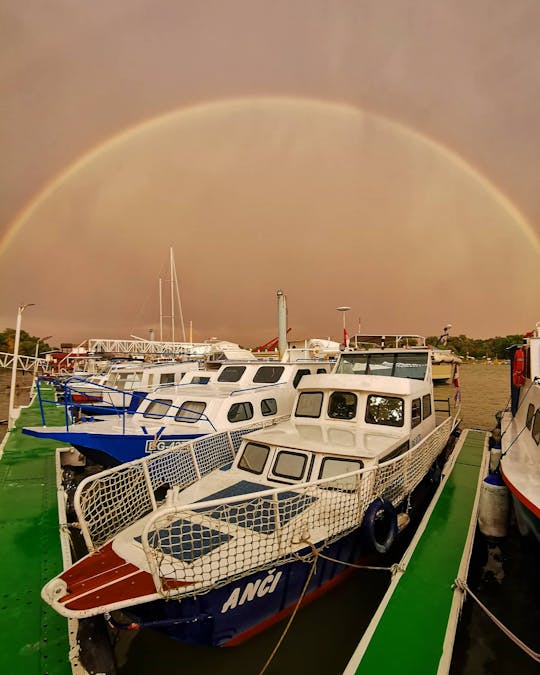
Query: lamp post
{"points": [[11, 419], [344, 310], [42, 340]]}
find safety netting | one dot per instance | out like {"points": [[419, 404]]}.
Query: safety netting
{"points": [[194, 548], [111, 500]]}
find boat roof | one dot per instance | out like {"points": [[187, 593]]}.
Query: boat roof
{"points": [[331, 438], [373, 384]]}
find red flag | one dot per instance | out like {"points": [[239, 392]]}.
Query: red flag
{"points": [[455, 382], [345, 338]]}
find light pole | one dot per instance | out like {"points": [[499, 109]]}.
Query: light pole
{"points": [[14, 368], [42, 340], [344, 310]]}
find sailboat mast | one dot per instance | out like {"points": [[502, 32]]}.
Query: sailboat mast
{"points": [[172, 294], [160, 311]]}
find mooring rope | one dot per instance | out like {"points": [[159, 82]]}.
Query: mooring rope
{"points": [[462, 585], [289, 622], [394, 569]]}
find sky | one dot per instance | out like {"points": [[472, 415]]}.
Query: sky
{"points": [[377, 155]]}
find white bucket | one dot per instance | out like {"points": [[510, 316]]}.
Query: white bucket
{"points": [[493, 507]]}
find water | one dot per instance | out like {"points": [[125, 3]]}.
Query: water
{"points": [[325, 633]]}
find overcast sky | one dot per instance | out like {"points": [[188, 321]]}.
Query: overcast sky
{"points": [[380, 155]]}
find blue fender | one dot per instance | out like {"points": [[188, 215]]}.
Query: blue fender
{"points": [[379, 525]]}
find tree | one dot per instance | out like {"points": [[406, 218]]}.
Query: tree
{"points": [[27, 343]]}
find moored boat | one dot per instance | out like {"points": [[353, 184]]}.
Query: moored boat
{"points": [[233, 397], [520, 434], [224, 556]]}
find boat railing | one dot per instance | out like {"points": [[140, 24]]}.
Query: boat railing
{"points": [[193, 548], [111, 500]]}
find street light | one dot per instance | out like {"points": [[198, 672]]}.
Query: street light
{"points": [[42, 340], [344, 310], [20, 310]]}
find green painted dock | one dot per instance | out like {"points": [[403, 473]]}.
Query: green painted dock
{"points": [[33, 638], [408, 632]]}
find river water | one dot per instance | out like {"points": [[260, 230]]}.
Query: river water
{"points": [[325, 633]]}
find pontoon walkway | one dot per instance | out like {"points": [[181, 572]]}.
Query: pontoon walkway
{"points": [[415, 622], [33, 638]]}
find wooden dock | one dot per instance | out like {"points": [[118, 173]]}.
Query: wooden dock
{"points": [[413, 630]]}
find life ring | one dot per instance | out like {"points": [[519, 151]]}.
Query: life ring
{"points": [[379, 525], [518, 368]]}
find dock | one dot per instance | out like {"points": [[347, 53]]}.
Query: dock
{"points": [[413, 630], [33, 638]]}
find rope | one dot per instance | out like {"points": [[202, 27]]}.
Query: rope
{"points": [[462, 585], [297, 606], [394, 569]]}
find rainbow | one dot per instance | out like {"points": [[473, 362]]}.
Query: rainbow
{"points": [[230, 106]]}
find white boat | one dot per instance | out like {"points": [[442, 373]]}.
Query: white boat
{"points": [[236, 395], [444, 364], [229, 552], [520, 434], [124, 381]]}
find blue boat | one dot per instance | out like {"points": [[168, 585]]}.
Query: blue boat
{"points": [[232, 397]]}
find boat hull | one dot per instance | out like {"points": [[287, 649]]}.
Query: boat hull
{"points": [[110, 450], [229, 615]]}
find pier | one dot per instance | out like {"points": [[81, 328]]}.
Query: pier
{"points": [[414, 627], [33, 638]]}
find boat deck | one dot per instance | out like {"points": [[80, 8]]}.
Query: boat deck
{"points": [[407, 634], [33, 638]]}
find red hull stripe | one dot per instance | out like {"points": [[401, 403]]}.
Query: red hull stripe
{"points": [[513, 489], [104, 578]]}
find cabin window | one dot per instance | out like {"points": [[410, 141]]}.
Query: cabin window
{"points": [[239, 412], [536, 427], [268, 374], [530, 415], [128, 381], [254, 457], [416, 414], [335, 466], [342, 405], [412, 365], [289, 465], [190, 411], [380, 364], [200, 380], [426, 406], [231, 373], [309, 404], [320, 371], [299, 375], [157, 408], [385, 410], [166, 378], [268, 406]]}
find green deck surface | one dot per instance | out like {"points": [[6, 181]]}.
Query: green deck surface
{"points": [[410, 634], [33, 638]]}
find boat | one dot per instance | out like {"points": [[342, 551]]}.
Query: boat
{"points": [[114, 393], [520, 434], [445, 365], [216, 557], [231, 397]]}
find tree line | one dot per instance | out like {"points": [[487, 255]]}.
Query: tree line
{"points": [[27, 343], [490, 348]]}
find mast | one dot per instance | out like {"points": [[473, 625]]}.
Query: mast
{"points": [[172, 294], [160, 310]]}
